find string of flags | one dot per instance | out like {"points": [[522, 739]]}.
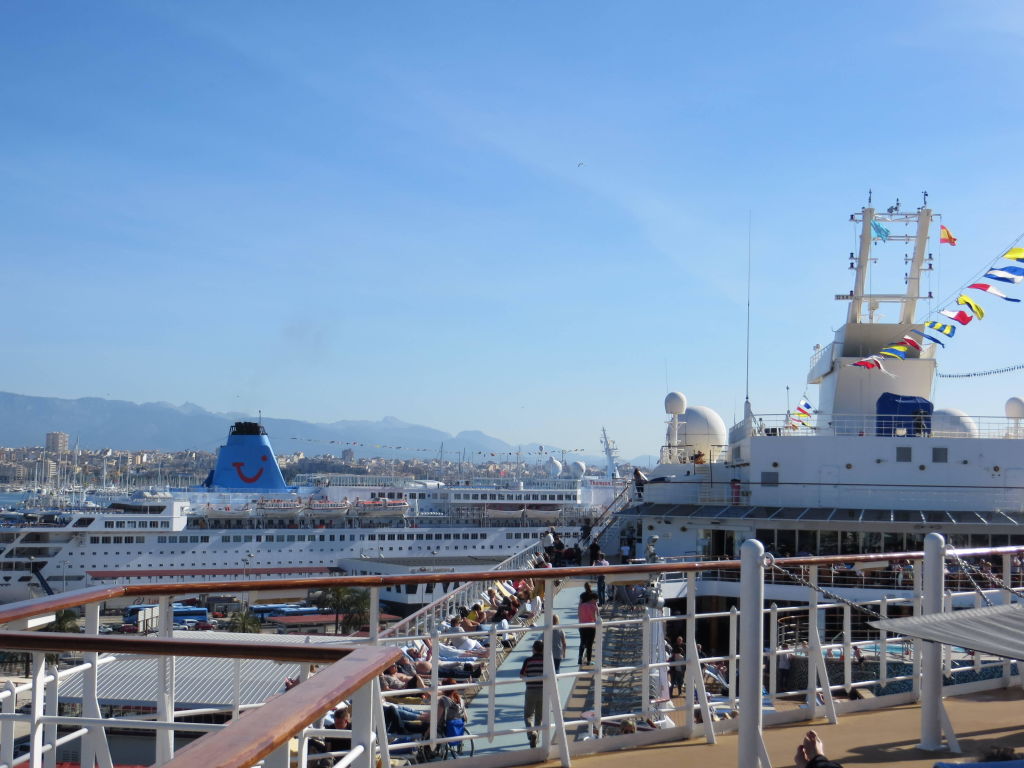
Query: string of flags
{"points": [[541, 451], [801, 415], [964, 311]]}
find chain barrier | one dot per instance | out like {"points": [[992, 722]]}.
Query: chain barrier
{"points": [[966, 570], [996, 581], [800, 579]]}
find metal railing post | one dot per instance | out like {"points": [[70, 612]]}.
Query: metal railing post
{"points": [[363, 706], [50, 708], [751, 746], [931, 653], [36, 727], [165, 685], [374, 615], [7, 706]]}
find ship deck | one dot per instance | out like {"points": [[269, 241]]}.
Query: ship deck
{"points": [[880, 737]]}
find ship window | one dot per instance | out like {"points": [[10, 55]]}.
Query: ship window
{"points": [[903, 453], [108, 524], [476, 497], [161, 539], [105, 540], [770, 479], [940, 455]]}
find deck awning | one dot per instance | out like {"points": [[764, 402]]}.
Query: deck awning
{"points": [[997, 629]]}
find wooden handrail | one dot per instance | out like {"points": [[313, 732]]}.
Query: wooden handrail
{"points": [[28, 608], [312, 653], [257, 733]]}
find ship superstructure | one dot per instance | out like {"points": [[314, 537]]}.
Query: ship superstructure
{"points": [[874, 468]]}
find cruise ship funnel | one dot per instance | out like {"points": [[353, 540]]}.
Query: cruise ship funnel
{"points": [[247, 461]]}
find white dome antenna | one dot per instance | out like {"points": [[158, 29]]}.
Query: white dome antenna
{"points": [[675, 403], [1014, 408]]}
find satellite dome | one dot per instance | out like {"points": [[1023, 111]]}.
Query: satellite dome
{"points": [[554, 467], [951, 422], [1015, 408], [703, 430], [577, 469], [675, 403]]}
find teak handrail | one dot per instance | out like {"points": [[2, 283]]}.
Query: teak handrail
{"points": [[29, 608], [257, 733], [319, 653]]}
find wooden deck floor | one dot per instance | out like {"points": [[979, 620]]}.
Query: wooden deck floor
{"points": [[886, 737]]}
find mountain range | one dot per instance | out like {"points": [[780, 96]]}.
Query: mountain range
{"points": [[99, 423]]}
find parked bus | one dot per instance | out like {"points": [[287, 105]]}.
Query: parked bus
{"points": [[266, 610], [130, 615]]}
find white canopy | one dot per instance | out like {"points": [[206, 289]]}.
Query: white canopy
{"points": [[997, 629]]}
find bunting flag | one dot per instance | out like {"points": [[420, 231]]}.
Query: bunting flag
{"points": [[804, 406], [911, 342], [1014, 254], [873, 363], [960, 316], [989, 289], [896, 350], [880, 232], [965, 301], [945, 236], [943, 328], [924, 335], [1006, 274]]}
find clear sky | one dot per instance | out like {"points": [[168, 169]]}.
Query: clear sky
{"points": [[526, 218]]}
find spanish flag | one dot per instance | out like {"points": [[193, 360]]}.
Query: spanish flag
{"points": [[945, 236]]}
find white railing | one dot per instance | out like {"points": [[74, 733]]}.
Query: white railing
{"points": [[824, 676], [886, 425]]}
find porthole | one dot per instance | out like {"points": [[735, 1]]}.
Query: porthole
{"points": [[921, 467], [849, 466], [775, 463], [995, 468]]}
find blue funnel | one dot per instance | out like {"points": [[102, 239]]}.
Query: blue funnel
{"points": [[247, 462]]}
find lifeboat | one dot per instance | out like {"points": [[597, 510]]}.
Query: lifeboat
{"points": [[328, 507], [279, 506], [380, 507]]}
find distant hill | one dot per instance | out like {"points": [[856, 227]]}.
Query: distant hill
{"points": [[99, 423]]}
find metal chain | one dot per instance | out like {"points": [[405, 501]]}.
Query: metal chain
{"points": [[821, 590], [998, 582], [966, 570]]}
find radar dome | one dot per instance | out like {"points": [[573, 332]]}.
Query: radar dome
{"points": [[1015, 408], [703, 430], [675, 403], [951, 422], [577, 469], [554, 467]]}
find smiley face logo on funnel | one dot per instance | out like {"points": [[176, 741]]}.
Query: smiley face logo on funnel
{"points": [[247, 478]]}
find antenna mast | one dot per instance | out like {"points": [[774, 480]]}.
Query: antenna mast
{"points": [[750, 217]]}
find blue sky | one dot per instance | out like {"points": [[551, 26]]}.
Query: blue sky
{"points": [[329, 211]]}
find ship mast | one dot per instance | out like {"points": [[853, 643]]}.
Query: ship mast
{"points": [[922, 217]]}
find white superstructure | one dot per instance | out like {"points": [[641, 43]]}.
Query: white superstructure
{"points": [[874, 467]]}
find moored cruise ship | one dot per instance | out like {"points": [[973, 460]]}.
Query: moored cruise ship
{"points": [[874, 468], [245, 521]]}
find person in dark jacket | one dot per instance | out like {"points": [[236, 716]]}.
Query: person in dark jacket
{"points": [[811, 753]]}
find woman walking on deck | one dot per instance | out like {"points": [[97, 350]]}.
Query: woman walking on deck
{"points": [[587, 614]]}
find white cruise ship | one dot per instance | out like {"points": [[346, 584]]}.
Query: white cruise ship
{"points": [[875, 467], [246, 522]]}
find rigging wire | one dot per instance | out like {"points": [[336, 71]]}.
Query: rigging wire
{"points": [[976, 374]]}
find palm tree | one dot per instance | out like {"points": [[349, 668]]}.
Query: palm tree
{"points": [[350, 606], [245, 621], [64, 621]]}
